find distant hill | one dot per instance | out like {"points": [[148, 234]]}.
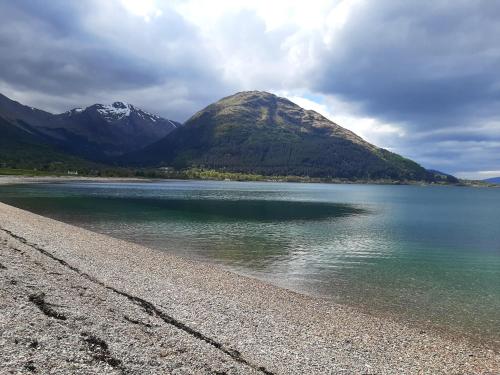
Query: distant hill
{"points": [[99, 132], [493, 180], [258, 132]]}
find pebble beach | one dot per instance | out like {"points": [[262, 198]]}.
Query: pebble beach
{"points": [[74, 301]]}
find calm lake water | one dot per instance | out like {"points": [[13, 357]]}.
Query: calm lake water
{"points": [[430, 255]]}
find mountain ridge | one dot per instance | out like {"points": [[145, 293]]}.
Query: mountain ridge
{"points": [[98, 132]]}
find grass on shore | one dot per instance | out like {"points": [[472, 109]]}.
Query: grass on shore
{"points": [[188, 174]]}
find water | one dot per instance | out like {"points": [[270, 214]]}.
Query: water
{"points": [[429, 255]]}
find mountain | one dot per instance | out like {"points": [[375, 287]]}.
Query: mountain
{"points": [[493, 180], [99, 132], [258, 132], [117, 128], [12, 110], [20, 148]]}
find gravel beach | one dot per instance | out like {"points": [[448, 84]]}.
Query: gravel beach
{"points": [[76, 302], [11, 180]]}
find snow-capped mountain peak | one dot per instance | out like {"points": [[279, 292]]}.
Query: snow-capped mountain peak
{"points": [[123, 114], [115, 111]]}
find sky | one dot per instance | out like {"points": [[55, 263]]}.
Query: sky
{"points": [[418, 78]]}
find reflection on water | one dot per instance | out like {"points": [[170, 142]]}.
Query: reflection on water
{"points": [[424, 253]]}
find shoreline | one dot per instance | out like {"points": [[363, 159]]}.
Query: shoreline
{"points": [[14, 180], [22, 179], [438, 329], [223, 321]]}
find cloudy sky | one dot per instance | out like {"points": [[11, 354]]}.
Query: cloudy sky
{"points": [[419, 78]]}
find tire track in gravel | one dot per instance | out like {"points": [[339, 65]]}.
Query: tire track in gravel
{"points": [[148, 307]]}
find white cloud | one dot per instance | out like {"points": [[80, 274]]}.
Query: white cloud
{"points": [[147, 9], [275, 14]]}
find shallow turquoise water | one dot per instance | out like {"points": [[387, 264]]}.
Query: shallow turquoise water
{"points": [[426, 254]]}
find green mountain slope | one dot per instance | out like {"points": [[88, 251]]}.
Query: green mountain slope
{"points": [[23, 148], [258, 132]]}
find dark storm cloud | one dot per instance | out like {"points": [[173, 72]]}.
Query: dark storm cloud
{"points": [[429, 66], [60, 17], [57, 48], [44, 46], [428, 63]]}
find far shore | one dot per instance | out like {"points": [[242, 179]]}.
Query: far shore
{"points": [[26, 179], [74, 301], [11, 180]]}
